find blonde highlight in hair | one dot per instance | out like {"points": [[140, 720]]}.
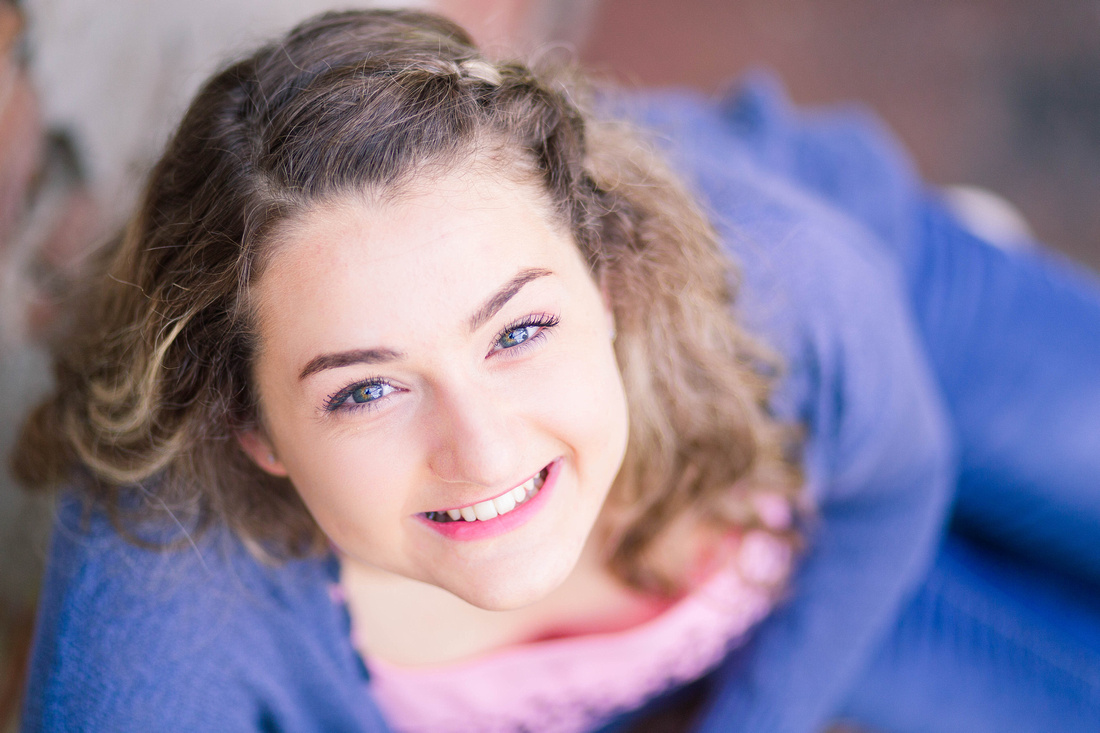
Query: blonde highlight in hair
{"points": [[154, 381]]}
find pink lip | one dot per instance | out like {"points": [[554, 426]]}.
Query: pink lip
{"points": [[491, 497], [469, 531]]}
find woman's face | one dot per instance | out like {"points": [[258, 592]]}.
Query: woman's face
{"points": [[442, 354]]}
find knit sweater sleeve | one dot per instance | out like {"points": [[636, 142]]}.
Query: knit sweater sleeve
{"points": [[820, 286], [201, 638]]}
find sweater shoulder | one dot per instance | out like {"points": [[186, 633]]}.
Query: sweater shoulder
{"points": [[199, 636]]}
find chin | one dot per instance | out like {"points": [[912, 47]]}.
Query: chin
{"points": [[508, 590]]}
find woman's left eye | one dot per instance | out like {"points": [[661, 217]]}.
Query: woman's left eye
{"points": [[370, 392], [518, 334]]}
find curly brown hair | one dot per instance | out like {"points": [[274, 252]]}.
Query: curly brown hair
{"points": [[154, 378]]}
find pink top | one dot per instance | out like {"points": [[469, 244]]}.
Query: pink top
{"points": [[568, 685]]}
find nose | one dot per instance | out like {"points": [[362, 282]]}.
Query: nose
{"points": [[475, 437]]}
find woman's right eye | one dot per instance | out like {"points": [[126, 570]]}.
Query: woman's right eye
{"points": [[359, 395]]}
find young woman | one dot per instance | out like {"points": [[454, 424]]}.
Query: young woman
{"points": [[415, 397]]}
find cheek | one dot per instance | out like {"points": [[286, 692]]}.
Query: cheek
{"points": [[584, 405], [607, 413], [354, 495]]}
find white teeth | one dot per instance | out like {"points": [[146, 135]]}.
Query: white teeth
{"points": [[504, 504], [493, 508], [485, 510]]}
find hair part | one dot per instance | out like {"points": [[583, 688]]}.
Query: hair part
{"points": [[154, 380]]}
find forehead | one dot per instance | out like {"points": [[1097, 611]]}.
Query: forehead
{"points": [[438, 246]]}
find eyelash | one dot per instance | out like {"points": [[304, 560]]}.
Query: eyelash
{"points": [[339, 401], [543, 321]]}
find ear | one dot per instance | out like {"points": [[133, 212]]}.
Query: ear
{"points": [[257, 447]]}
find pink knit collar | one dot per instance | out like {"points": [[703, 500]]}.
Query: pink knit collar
{"points": [[568, 685]]}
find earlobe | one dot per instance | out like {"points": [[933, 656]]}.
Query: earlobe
{"points": [[257, 447]]}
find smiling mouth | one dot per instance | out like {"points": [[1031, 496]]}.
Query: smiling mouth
{"points": [[483, 511]]}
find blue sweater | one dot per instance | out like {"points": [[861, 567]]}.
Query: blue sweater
{"points": [[804, 203], [834, 238]]}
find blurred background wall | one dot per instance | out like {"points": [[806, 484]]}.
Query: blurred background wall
{"points": [[1003, 94]]}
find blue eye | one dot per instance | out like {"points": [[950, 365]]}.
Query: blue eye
{"points": [[517, 336], [359, 395], [370, 392], [523, 332]]}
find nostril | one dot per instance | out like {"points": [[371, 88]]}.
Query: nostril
{"points": [[475, 441]]}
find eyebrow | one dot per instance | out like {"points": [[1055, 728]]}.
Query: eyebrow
{"points": [[502, 296], [347, 358], [382, 356]]}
